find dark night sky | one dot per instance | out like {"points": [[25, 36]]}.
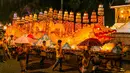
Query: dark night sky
{"points": [[17, 4]]}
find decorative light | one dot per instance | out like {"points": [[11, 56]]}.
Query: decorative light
{"points": [[71, 16], [66, 15], [15, 16], [78, 17], [5, 27], [35, 17], [50, 13], [55, 14], [107, 26], [93, 17], [60, 15], [122, 11], [85, 18], [100, 10]]}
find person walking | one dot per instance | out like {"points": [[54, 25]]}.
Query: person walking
{"points": [[22, 57], [59, 56], [43, 53], [7, 54]]}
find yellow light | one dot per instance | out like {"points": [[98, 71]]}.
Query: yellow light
{"points": [[73, 47], [122, 11]]}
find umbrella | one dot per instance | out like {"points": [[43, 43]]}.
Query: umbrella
{"points": [[90, 42], [24, 40]]}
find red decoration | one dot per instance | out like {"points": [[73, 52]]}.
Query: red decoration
{"points": [[30, 36]]}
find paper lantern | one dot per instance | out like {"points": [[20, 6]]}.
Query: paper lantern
{"points": [[15, 16], [26, 18], [78, 17], [35, 17], [22, 20], [100, 10], [45, 14], [30, 18], [55, 14], [50, 13], [18, 20], [60, 15], [85, 18], [66, 15], [71, 16], [40, 16], [93, 17]]}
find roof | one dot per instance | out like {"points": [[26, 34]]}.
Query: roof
{"points": [[120, 3], [124, 29]]}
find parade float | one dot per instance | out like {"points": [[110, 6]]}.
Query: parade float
{"points": [[58, 26]]}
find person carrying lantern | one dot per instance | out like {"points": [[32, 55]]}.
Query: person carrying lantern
{"points": [[59, 56]]}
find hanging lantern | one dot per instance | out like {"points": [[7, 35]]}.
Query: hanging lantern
{"points": [[60, 15], [35, 17], [93, 17], [30, 18], [22, 20], [85, 18], [66, 15], [55, 14], [50, 13], [71, 16], [18, 20], [78, 17], [100, 10], [15, 16], [26, 18], [40, 16], [45, 14]]}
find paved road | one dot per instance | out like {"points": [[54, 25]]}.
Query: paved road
{"points": [[12, 66]]}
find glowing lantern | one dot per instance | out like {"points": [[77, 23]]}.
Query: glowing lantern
{"points": [[71, 16], [22, 20], [60, 15], [93, 17], [100, 10], [50, 13], [18, 20], [78, 17], [55, 14], [35, 17], [45, 14], [30, 18], [5, 27], [66, 15], [40, 16], [15, 16], [26, 18], [85, 18]]}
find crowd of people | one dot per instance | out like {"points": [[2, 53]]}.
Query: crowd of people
{"points": [[89, 62]]}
